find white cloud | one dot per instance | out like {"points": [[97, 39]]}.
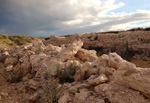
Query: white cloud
{"points": [[146, 24]]}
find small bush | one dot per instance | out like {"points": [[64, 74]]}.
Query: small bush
{"points": [[47, 88], [96, 37], [66, 74], [89, 37], [11, 43], [46, 38]]}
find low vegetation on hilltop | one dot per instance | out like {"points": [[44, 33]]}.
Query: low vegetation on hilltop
{"points": [[9, 41]]}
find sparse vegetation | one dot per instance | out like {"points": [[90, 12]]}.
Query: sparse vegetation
{"points": [[66, 74], [147, 29], [4, 36], [20, 40], [135, 29], [89, 37], [46, 38], [47, 88], [96, 37], [5, 41], [9, 41], [127, 47]]}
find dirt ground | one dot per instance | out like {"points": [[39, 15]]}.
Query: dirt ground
{"points": [[140, 63]]}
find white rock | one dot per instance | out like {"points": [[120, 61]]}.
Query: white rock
{"points": [[97, 80], [86, 55], [70, 51], [9, 68]]}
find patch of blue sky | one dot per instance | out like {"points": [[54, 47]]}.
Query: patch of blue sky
{"points": [[132, 6], [145, 23]]}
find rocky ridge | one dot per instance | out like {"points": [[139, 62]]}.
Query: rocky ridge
{"points": [[127, 43]]}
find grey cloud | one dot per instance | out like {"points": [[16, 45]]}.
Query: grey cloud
{"points": [[133, 17], [47, 17]]}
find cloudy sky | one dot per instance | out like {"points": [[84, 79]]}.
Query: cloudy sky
{"points": [[59, 17]]}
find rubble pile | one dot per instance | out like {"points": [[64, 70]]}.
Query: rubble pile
{"points": [[103, 79]]}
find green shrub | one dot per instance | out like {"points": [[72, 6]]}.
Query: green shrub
{"points": [[89, 37], [96, 37], [4, 36], [46, 38], [11, 43], [66, 74], [20, 40], [127, 47]]}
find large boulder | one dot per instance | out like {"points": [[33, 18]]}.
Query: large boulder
{"points": [[25, 65], [36, 59]]}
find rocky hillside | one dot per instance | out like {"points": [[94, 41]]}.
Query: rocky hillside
{"points": [[63, 70], [127, 44]]}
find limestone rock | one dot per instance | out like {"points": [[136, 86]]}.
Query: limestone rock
{"points": [[34, 97], [86, 55], [86, 97], [70, 51], [65, 98], [50, 65], [3, 56], [121, 94], [36, 59], [25, 65], [28, 46], [11, 61], [52, 50], [38, 46], [101, 89], [87, 70], [33, 84], [97, 80], [9, 68], [4, 94], [134, 77]]}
